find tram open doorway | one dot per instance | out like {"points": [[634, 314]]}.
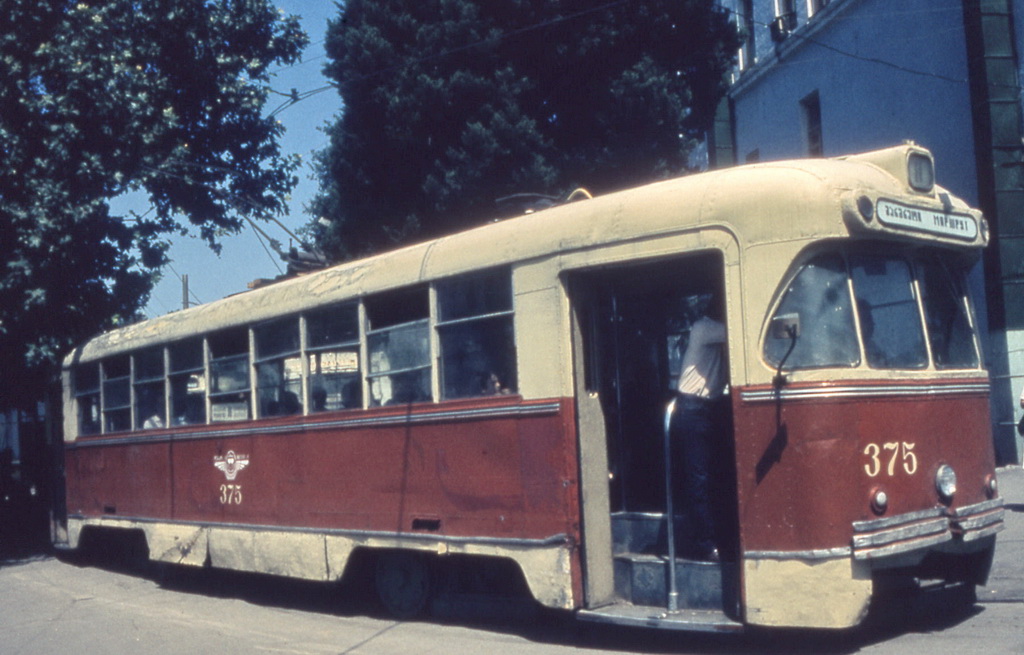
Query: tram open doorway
{"points": [[632, 326]]}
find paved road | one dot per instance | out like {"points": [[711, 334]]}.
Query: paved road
{"points": [[49, 606]]}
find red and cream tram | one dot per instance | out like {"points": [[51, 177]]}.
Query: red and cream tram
{"points": [[497, 398]]}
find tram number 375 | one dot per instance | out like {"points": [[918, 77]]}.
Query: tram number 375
{"points": [[887, 456], [230, 494]]}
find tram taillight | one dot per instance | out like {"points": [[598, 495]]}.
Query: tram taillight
{"points": [[879, 501]]}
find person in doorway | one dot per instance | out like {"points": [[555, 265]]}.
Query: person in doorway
{"points": [[701, 382]]}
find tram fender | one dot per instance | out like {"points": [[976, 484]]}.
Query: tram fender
{"points": [[810, 594]]}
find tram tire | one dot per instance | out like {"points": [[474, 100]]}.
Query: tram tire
{"points": [[404, 583]]}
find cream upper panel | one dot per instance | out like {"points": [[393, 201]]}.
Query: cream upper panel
{"points": [[779, 203]]}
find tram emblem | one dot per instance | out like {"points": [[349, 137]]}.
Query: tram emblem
{"points": [[231, 463]]}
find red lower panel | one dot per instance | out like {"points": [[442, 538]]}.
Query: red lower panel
{"points": [[494, 469], [808, 464]]}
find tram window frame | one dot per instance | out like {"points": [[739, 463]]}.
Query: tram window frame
{"points": [[333, 354], [230, 385], [86, 378], [187, 381], [277, 356], [116, 393], [807, 353], [892, 354], [150, 386], [968, 355], [476, 334], [889, 340], [399, 352]]}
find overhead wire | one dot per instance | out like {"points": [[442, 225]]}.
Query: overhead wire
{"points": [[298, 97]]}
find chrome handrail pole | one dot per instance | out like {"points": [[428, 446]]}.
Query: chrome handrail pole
{"points": [[670, 518]]}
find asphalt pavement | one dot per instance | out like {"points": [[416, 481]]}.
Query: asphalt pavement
{"points": [[1006, 582]]}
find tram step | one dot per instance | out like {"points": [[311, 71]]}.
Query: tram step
{"points": [[642, 532], [656, 617], [643, 580]]}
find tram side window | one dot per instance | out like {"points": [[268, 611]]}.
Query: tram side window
{"points": [[150, 402], [946, 316], [819, 294], [398, 347], [229, 375], [117, 395], [890, 320], [476, 335], [278, 367], [87, 395], [332, 349], [188, 382]]}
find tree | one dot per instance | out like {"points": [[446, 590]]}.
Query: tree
{"points": [[452, 104], [162, 97]]}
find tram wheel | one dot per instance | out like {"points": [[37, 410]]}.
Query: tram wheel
{"points": [[403, 583]]}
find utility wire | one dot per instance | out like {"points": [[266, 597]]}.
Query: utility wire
{"points": [[298, 97], [182, 280]]}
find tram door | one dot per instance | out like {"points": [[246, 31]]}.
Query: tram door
{"points": [[631, 329]]}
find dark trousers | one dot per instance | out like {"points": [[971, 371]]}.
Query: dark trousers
{"points": [[691, 432]]}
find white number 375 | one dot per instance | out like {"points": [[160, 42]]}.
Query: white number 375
{"points": [[886, 456]]}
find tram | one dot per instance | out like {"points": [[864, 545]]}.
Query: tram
{"points": [[497, 400]]}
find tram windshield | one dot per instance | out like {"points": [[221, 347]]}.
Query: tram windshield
{"points": [[879, 310]]}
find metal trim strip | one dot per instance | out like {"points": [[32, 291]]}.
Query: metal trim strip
{"points": [[975, 535], [864, 391], [254, 428], [553, 540], [978, 508], [820, 553], [901, 533], [900, 519], [980, 521], [903, 547]]}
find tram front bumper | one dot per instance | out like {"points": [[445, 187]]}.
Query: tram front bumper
{"points": [[917, 532]]}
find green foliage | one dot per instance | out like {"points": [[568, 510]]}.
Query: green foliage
{"points": [[162, 97], [452, 104]]}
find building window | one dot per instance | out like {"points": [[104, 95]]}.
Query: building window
{"points": [[747, 55], [332, 351], [475, 334], [398, 347], [810, 108], [785, 19]]}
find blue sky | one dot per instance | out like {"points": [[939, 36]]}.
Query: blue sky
{"points": [[242, 257]]}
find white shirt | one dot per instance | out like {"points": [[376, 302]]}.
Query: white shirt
{"points": [[702, 374]]}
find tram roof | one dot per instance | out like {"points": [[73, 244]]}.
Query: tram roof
{"points": [[758, 203]]}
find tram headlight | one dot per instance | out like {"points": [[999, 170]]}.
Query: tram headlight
{"points": [[945, 482], [866, 208], [920, 172]]}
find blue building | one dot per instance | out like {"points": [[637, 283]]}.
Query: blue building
{"points": [[833, 77]]}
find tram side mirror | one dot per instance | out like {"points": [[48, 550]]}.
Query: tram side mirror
{"points": [[785, 326]]}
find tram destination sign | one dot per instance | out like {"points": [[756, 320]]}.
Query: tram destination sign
{"points": [[946, 224]]}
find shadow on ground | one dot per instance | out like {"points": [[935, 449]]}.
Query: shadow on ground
{"points": [[935, 611]]}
